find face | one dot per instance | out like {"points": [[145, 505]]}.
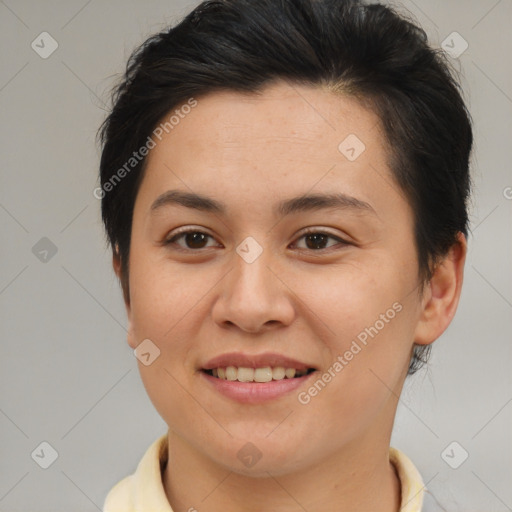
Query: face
{"points": [[258, 242]]}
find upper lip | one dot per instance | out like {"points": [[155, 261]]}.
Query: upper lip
{"points": [[239, 359]]}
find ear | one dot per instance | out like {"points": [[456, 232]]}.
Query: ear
{"points": [[441, 294], [116, 264]]}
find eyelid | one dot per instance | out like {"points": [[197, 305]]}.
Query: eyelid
{"points": [[168, 240], [183, 231], [187, 229], [321, 231]]}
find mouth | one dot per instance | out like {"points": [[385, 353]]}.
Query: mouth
{"points": [[255, 378], [258, 375]]}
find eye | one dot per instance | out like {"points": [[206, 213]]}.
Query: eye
{"points": [[192, 238], [318, 240]]}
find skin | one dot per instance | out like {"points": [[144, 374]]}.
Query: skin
{"points": [[309, 303]]}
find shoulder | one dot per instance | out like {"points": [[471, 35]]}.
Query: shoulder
{"points": [[143, 490], [120, 497], [413, 488]]}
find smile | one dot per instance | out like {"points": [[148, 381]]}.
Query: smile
{"points": [[265, 374]]}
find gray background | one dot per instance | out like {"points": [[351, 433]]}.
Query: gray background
{"points": [[67, 374]]}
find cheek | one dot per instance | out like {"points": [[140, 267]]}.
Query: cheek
{"points": [[162, 295], [353, 300], [164, 306], [365, 321]]}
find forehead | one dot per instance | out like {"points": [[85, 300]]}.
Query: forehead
{"points": [[287, 139], [281, 113]]}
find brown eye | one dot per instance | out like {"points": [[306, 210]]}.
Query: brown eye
{"points": [[192, 240], [317, 240], [195, 240]]}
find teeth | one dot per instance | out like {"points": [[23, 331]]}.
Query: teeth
{"points": [[278, 373], [290, 373], [245, 374], [265, 374], [231, 373]]}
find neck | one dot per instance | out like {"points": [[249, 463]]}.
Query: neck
{"points": [[359, 477]]}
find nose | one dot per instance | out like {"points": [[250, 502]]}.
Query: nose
{"points": [[253, 297]]}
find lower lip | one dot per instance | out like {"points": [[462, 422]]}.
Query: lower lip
{"points": [[255, 392]]}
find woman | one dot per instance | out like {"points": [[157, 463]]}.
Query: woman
{"points": [[284, 187]]}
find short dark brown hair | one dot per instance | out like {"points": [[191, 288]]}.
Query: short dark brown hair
{"points": [[369, 52]]}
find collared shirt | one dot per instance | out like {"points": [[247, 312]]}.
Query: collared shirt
{"points": [[143, 491]]}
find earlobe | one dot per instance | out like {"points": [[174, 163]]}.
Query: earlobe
{"points": [[130, 335], [442, 294], [116, 264]]}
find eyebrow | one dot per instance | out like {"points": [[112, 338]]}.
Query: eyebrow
{"points": [[297, 204]]}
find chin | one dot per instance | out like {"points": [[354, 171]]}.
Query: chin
{"points": [[260, 457]]}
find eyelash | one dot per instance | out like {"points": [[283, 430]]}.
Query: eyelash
{"points": [[180, 234]]}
